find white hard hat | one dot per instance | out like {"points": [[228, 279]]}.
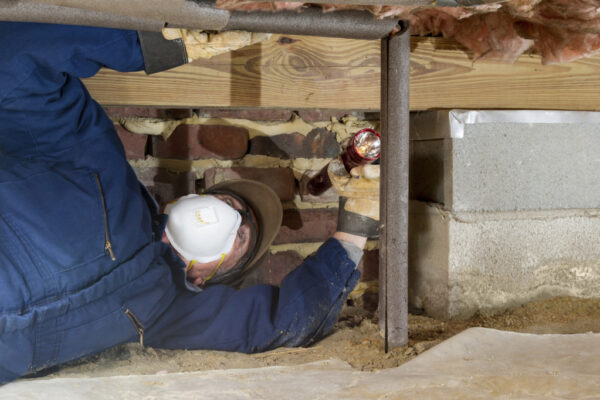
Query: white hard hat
{"points": [[201, 227]]}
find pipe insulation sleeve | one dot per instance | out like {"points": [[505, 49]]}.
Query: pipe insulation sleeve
{"points": [[153, 15], [22, 11], [191, 14], [314, 22], [404, 3]]}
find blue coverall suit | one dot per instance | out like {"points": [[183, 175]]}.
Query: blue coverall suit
{"points": [[66, 189]]}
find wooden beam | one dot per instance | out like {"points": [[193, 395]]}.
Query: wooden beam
{"points": [[314, 72]]}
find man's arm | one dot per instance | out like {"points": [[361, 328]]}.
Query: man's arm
{"points": [[262, 317], [45, 109]]}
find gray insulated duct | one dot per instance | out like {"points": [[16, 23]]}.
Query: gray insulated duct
{"points": [[153, 15], [438, 3]]}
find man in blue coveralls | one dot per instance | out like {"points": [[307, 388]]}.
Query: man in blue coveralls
{"points": [[86, 259]]}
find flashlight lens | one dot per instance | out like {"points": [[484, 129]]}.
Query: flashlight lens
{"points": [[367, 144]]}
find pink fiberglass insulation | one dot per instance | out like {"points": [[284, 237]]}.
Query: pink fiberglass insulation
{"points": [[558, 30]]}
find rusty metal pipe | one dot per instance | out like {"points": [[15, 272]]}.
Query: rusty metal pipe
{"points": [[393, 242]]}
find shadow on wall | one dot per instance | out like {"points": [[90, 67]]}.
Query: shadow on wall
{"points": [[426, 185]]}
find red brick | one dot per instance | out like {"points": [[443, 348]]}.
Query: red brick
{"points": [[192, 142], [317, 115], [318, 143], [273, 268], [305, 226], [134, 144], [369, 265], [251, 114], [281, 180], [162, 113], [167, 185]]}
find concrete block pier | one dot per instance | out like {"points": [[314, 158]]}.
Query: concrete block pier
{"points": [[504, 209]]}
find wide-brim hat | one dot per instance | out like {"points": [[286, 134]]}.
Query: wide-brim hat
{"points": [[267, 208]]}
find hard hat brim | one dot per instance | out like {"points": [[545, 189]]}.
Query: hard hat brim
{"points": [[266, 205]]}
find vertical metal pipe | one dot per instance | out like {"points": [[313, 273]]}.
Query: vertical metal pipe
{"points": [[393, 242]]}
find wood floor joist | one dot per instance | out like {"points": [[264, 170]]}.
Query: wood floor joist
{"points": [[314, 72]]}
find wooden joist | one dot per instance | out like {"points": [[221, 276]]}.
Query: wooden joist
{"points": [[314, 72]]}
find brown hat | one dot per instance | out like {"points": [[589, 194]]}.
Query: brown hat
{"points": [[266, 206]]}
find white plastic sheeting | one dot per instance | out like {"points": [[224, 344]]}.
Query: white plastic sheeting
{"points": [[451, 124], [476, 364]]}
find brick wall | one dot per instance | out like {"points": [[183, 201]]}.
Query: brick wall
{"points": [[175, 152]]}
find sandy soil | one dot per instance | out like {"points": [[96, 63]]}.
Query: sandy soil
{"points": [[355, 340]]}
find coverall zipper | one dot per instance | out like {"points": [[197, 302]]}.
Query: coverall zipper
{"points": [[107, 244], [136, 324]]}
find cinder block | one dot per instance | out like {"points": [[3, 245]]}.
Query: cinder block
{"points": [[319, 143], [191, 142], [305, 226], [464, 262], [505, 161], [281, 180]]}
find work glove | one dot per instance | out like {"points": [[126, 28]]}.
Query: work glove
{"points": [[201, 44], [358, 211]]}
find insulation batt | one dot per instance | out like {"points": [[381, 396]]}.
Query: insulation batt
{"points": [[558, 30]]}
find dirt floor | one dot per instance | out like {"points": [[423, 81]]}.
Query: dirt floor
{"points": [[355, 340]]}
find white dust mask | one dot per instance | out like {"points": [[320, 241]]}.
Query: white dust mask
{"points": [[201, 227]]}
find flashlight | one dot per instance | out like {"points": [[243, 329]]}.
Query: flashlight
{"points": [[363, 148]]}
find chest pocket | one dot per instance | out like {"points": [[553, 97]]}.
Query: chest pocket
{"points": [[59, 217]]}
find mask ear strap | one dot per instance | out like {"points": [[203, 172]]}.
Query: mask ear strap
{"points": [[214, 271], [190, 265], [216, 268]]}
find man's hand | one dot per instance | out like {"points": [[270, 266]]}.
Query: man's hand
{"points": [[359, 198], [200, 44]]}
